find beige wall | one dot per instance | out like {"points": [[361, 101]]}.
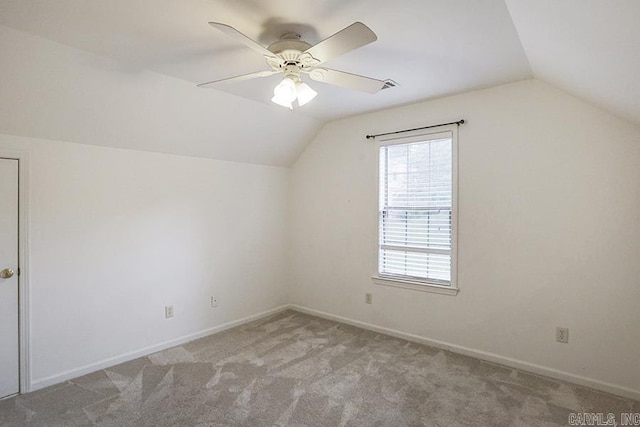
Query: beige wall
{"points": [[549, 225], [549, 231], [115, 235]]}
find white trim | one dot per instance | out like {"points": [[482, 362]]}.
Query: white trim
{"points": [[454, 206], [415, 285], [111, 361], [23, 265], [444, 132], [483, 355], [479, 354]]}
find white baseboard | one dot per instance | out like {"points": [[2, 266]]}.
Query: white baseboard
{"points": [[479, 354], [105, 363]]}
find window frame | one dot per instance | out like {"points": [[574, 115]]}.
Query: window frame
{"points": [[425, 285]]}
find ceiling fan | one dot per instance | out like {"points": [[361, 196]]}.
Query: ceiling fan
{"points": [[291, 57]]}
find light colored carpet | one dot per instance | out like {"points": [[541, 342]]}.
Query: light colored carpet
{"points": [[293, 369]]}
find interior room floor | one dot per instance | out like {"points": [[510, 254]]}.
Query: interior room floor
{"points": [[296, 369]]}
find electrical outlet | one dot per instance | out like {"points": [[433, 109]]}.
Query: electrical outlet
{"points": [[214, 301], [562, 335], [168, 311], [368, 298]]}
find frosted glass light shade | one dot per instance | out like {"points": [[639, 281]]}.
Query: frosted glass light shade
{"points": [[305, 93], [284, 93], [287, 91]]}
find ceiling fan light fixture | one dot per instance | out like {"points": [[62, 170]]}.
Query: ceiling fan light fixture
{"points": [[285, 93], [305, 93]]}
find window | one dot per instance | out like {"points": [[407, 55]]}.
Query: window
{"points": [[417, 210]]}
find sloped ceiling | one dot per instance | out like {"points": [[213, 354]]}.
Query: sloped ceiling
{"points": [[589, 48], [432, 48], [52, 91]]}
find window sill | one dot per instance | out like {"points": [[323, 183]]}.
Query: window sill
{"points": [[416, 286]]}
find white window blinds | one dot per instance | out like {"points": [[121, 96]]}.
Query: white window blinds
{"points": [[416, 207]]}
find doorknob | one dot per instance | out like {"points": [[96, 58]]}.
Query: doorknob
{"points": [[6, 273]]}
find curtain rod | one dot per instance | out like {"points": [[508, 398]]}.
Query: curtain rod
{"points": [[459, 122]]}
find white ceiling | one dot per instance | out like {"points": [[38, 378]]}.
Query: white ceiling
{"points": [[432, 48], [589, 48], [55, 92]]}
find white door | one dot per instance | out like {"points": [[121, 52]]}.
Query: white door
{"points": [[9, 353]]}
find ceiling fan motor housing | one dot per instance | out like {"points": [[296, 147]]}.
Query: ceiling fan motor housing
{"points": [[291, 50], [289, 41]]}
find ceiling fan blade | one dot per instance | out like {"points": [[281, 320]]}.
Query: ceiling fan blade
{"points": [[240, 78], [347, 80], [354, 36], [232, 32]]}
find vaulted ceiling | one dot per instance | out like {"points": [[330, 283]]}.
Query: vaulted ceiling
{"points": [[588, 48], [432, 48]]}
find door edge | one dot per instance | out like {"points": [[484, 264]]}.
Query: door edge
{"points": [[24, 336]]}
